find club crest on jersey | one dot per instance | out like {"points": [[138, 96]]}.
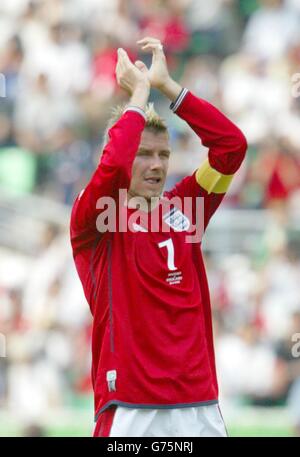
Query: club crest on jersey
{"points": [[177, 220]]}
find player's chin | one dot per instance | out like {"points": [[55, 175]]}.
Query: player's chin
{"points": [[153, 190], [153, 193]]}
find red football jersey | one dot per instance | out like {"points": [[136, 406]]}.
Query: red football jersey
{"points": [[152, 340]]}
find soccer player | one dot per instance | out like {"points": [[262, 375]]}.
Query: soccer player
{"points": [[153, 365]]}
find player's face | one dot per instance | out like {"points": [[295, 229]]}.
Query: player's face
{"points": [[150, 165]]}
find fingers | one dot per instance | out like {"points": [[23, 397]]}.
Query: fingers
{"points": [[141, 66], [156, 48], [151, 44], [148, 40], [123, 58]]}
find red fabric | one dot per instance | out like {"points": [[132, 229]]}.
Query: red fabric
{"points": [[227, 144], [284, 178], [104, 423], [104, 67], [156, 335], [171, 31]]}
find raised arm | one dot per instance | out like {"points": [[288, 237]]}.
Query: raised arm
{"points": [[114, 170], [227, 144]]}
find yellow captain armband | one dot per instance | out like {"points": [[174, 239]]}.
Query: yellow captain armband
{"points": [[212, 180]]}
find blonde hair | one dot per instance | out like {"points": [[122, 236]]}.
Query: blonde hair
{"points": [[153, 120]]}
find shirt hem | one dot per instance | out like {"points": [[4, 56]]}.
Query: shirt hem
{"points": [[153, 405]]}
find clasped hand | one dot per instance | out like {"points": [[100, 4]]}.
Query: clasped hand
{"points": [[130, 76]]}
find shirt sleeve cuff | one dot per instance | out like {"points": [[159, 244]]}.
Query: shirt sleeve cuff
{"points": [[175, 105], [137, 110]]}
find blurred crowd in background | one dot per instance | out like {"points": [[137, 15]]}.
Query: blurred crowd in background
{"points": [[57, 88]]}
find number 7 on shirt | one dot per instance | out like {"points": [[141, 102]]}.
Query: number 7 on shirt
{"points": [[170, 248]]}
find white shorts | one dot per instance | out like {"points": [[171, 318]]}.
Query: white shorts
{"points": [[200, 421]]}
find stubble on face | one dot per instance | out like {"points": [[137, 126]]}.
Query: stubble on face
{"points": [[150, 166]]}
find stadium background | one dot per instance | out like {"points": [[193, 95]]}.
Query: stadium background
{"points": [[57, 61]]}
